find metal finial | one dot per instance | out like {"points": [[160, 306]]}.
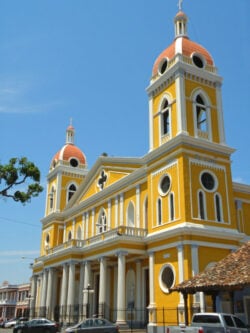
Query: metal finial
{"points": [[180, 4], [70, 121]]}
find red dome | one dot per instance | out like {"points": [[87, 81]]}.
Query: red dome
{"points": [[68, 152], [182, 45]]}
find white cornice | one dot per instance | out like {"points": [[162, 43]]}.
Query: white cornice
{"points": [[63, 169], [185, 140], [241, 187], [188, 228]]}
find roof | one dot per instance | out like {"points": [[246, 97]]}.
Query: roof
{"points": [[69, 151], [231, 273]]}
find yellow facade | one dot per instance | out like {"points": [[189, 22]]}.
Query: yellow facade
{"points": [[135, 227]]}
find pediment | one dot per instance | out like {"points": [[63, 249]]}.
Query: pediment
{"points": [[105, 173]]}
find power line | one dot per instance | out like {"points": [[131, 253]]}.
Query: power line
{"points": [[18, 222]]}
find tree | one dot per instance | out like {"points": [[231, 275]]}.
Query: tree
{"points": [[17, 172]]}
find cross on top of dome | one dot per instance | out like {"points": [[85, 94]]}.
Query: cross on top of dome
{"points": [[180, 4]]}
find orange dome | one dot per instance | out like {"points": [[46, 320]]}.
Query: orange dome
{"points": [[69, 152], [185, 46]]}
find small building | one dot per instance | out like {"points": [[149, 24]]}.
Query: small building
{"points": [[117, 237], [14, 300]]}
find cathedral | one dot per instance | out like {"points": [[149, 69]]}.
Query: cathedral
{"points": [[117, 237]]}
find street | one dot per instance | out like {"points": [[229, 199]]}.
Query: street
{"points": [[6, 330]]}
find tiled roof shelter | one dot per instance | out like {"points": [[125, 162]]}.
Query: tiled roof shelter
{"points": [[231, 273]]}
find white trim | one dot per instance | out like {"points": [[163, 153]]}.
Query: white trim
{"points": [[211, 244], [151, 127], [220, 115]]}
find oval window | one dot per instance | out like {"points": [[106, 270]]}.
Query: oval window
{"points": [[165, 185], [163, 66], [208, 181], [167, 278], [198, 61], [73, 162]]}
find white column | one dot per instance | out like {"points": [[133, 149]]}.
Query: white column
{"points": [[220, 114], [58, 191], [64, 233], [49, 295], [121, 209], [181, 104], [87, 275], [73, 229], [198, 297], [121, 305], [151, 307], [81, 284], [102, 286], [151, 279], [151, 125], [181, 268], [33, 295], [83, 226], [64, 288], [93, 228], [87, 226], [138, 192], [138, 290], [71, 292], [71, 285], [44, 289], [116, 211], [109, 214]]}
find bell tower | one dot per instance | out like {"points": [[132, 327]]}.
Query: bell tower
{"points": [[185, 92], [186, 132], [67, 170]]}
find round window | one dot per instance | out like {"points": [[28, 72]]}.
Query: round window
{"points": [[163, 66], [167, 278], [165, 184], [198, 61], [73, 162], [208, 181]]}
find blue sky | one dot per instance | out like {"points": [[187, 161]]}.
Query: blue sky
{"points": [[91, 60]]}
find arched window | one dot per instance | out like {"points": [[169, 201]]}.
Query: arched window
{"points": [[201, 114], [218, 208], [171, 206], [201, 201], [71, 191], [159, 211], [165, 118], [102, 222], [131, 215]]}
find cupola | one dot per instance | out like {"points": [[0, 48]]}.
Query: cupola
{"points": [[69, 154]]}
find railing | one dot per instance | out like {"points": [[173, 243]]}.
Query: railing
{"points": [[186, 60], [71, 314], [121, 231]]}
